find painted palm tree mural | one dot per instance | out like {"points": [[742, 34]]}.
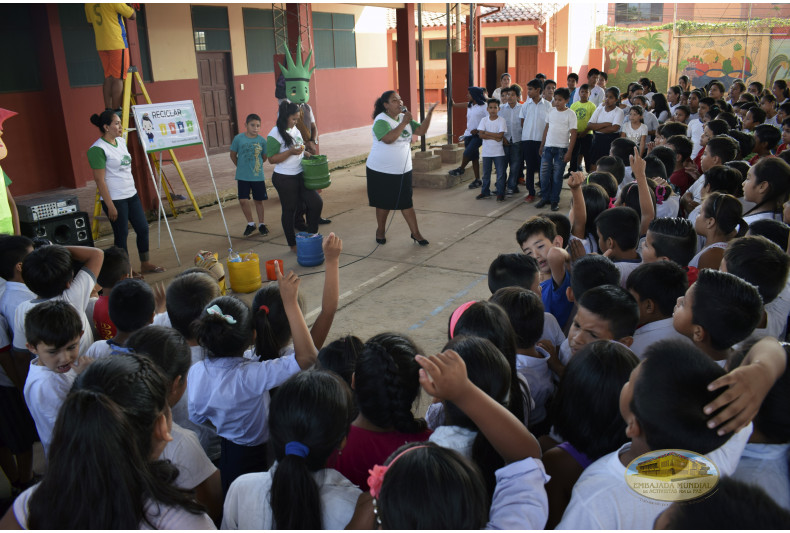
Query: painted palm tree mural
{"points": [[633, 55]]}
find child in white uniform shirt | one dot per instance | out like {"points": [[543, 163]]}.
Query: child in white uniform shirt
{"points": [[131, 307], [168, 349], [53, 330], [656, 287], [556, 148], [231, 391], [492, 130], [309, 420]]}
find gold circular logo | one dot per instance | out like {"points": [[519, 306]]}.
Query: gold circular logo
{"points": [[672, 475]]}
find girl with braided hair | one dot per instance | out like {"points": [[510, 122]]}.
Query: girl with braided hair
{"points": [[103, 470], [386, 384]]}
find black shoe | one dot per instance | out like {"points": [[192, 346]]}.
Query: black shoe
{"points": [[248, 230], [324, 221], [475, 184], [300, 225], [421, 243], [456, 171], [263, 230], [500, 198], [542, 203], [555, 207], [482, 196], [383, 240]]}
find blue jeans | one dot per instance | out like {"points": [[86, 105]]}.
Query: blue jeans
{"points": [[551, 169], [130, 210], [500, 162], [515, 164], [531, 152]]}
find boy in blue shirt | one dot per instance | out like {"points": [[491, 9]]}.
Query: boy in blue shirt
{"points": [[248, 152]]}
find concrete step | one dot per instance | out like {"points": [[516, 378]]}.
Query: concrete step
{"points": [[440, 178], [452, 154]]}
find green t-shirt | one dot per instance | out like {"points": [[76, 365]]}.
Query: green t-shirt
{"points": [[249, 166], [382, 127], [584, 112], [6, 178]]}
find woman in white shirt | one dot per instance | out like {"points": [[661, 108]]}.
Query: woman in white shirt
{"points": [[389, 163], [285, 149], [112, 172]]}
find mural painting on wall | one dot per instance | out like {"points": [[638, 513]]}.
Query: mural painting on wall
{"points": [[724, 58], [629, 56], [779, 58]]}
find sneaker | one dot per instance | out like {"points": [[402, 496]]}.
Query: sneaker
{"points": [[542, 203], [456, 171], [516, 190], [263, 229], [475, 184], [510, 192], [555, 207], [482, 196], [249, 229], [324, 221], [529, 198], [500, 198]]}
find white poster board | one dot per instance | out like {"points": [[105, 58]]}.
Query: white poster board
{"points": [[167, 125]]}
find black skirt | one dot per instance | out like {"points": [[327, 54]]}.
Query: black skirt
{"points": [[389, 191]]}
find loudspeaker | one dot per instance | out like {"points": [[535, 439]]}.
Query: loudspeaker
{"points": [[73, 229]]}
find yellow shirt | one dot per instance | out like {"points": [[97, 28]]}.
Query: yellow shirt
{"points": [[107, 20]]}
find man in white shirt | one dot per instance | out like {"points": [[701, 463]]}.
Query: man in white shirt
{"points": [[533, 121]]}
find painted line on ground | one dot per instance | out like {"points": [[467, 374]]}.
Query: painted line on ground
{"points": [[314, 313], [447, 303]]}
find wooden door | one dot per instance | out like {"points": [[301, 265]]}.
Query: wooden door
{"points": [[216, 95], [526, 66]]}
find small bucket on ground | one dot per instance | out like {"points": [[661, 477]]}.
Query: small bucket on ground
{"points": [[245, 275], [271, 268], [315, 170], [309, 251]]}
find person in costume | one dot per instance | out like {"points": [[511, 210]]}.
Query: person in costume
{"points": [[9, 217]]}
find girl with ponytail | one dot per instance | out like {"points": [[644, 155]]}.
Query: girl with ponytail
{"points": [[309, 420]]}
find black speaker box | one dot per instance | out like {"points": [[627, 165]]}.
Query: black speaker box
{"points": [[73, 229]]}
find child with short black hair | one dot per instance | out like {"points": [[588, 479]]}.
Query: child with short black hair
{"points": [[48, 272], [618, 237], [52, 331], [561, 224], [774, 230], [672, 239], [656, 288], [492, 130], [538, 238], [605, 312], [766, 138], [13, 250], [556, 148], [248, 153], [340, 356], [612, 165], [785, 128], [131, 306], [115, 268], [754, 117], [681, 114], [765, 265], [717, 312], [718, 151], [683, 147]]}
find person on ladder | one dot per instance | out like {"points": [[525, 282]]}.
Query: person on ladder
{"points": [[112, 171], [113, 47]]}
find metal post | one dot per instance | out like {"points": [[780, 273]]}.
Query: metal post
{"points": [[471, 45], [421, 72], [449, 79]]}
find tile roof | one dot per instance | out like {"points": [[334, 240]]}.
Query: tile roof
{"points": [[511, 11]]}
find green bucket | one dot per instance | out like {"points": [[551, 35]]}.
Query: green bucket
{"points": [[316, 172]]}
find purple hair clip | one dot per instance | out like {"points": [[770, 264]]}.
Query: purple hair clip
{"points": [[661, 194]]}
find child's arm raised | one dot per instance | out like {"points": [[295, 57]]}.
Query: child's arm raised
{"points": [[444, 376], [579, 211], [304, 348], [645, 200], [320, 330], [747, 386], [558, 258], [92, 258]]}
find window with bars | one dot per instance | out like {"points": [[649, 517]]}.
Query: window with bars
{"points": [[437, 49], [262, 40], [633, 12], [211, 28], [335, 41]]}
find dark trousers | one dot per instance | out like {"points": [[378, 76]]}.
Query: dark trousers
{"points": [[130, 210], [237, 460], [583, 148], [531, 152], [292, 191]]}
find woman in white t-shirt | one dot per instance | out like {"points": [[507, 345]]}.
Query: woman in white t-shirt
{"points": [[285, 149], [103, 470], [388, 167], [112, 172], [635, 128]]}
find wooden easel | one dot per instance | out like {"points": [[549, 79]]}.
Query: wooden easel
{"points": [[128, 100]]}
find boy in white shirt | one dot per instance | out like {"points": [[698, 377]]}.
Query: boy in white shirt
{"points": [[492, 130], [556, 148], [53, 330]]}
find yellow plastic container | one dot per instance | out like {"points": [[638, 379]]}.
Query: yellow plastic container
{"points": [[245, 276]]}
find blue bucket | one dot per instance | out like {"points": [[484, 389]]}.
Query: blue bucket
{"points": [[309, 250]]}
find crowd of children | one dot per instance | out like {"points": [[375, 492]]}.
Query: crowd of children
{"points": [[647, 319]]}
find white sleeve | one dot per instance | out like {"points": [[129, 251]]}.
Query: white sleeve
{"points": [[79, 292], [20, 339], [520, 500], [619, 116], [267, 375], [552, 330], [579, 515], [187, 454], [503, 125], [482, 125], [727, 456], [595, 115]]}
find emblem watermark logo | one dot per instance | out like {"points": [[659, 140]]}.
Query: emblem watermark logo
{"points": [[672, 475]]}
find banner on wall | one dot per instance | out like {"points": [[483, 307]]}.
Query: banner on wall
{"points": [[629, 56], [725, 58], [167, 125]]}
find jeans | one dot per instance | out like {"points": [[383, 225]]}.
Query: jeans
{"points": [[515, 164], [583, 148], [500, 162], [472, 146], [292, 191], [531, 152], [130, 210], [552, 167]]}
